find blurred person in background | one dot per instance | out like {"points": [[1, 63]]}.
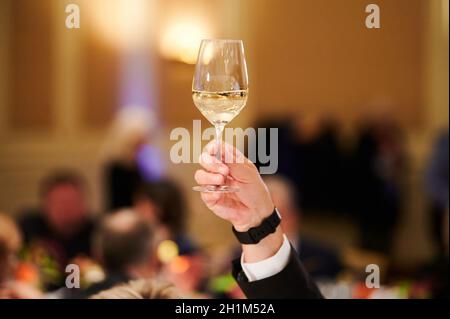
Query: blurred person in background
{"points": [[365, 181], [378, 172], [61, 228], [288, 165], [437, 188], [10, 243], [129, 159], [11, 285], [140, 289], [123, 244], [442, 289], [320, 261], [162, 205], [308, 152], [318, 155], [436, 182]]}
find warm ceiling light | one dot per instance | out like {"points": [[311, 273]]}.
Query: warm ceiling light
{"points": [[181, 40]]}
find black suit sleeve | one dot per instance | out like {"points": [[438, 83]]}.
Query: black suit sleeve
{"points": [[293, 282]]}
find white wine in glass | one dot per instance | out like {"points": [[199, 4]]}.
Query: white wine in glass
{"points": [[220, 89], [220, 107]]}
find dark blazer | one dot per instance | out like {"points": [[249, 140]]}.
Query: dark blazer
{"points": [[293, 282]]}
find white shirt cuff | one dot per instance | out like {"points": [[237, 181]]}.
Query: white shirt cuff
{"points": [[270, 266]]}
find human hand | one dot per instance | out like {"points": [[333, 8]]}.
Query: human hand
{"points": [[247, 207]]}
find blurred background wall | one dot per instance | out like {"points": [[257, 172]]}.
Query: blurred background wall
{"points": [[60, 89]]}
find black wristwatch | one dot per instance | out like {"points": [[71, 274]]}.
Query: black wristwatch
{"points": [[255, 234]]}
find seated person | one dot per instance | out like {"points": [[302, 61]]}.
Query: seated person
{"points": [[140, 289], [162, 204], [269, 266], [320, 261], [10, 242], [61, 228], [437, 188], [11, 287], [123, 244]]}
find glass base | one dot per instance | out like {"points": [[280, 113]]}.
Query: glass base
{"points": [[215, 189]]}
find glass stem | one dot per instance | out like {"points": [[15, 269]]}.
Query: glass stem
{"points": [[219, 130]]}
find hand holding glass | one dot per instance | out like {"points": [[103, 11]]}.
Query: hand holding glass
{"points": [[220, 88]]}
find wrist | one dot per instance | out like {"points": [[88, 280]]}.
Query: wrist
{"points": [[256, 220], [265, 249]]}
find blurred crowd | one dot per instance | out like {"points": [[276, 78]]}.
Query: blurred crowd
{"points": [[363, 177], [140, 238]]}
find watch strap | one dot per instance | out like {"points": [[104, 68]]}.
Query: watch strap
{"points": [[255, 234]]}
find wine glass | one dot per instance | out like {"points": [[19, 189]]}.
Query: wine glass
{"points": [[220, 89]]}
